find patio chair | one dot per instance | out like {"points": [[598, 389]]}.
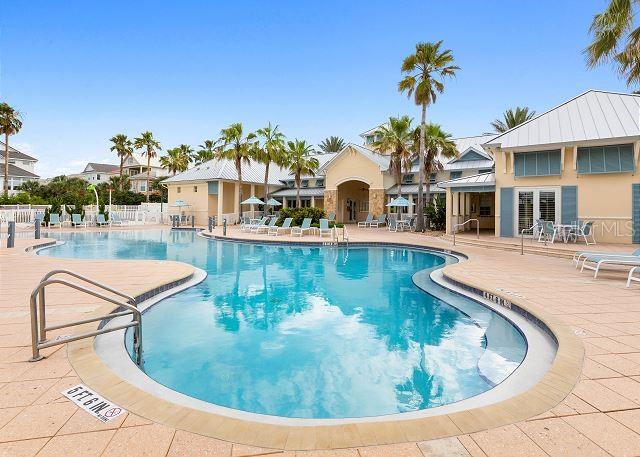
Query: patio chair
{"points": [[331, 217], [367, 221], [261, 222], [548, 232], [585, 230], [76, 220], [304, 228], [631, 277], [286, 227], [39, 217], [245, 223], [54, 219], [392, 225], [382, 220], [265, 227], [100, 220], [324, 227]]}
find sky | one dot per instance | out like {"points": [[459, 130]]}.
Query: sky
{"points": [[81, 71]]}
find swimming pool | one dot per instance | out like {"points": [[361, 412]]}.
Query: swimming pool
{"points": [[311, 332]]}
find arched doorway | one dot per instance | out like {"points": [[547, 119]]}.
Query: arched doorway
{"points": [[352, 201]]}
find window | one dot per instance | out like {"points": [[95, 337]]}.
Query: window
{"points": [[485, 170], [364, 207], [606, 159], [98, 177], [142, 187], [319, 182], [543, 163], [195, 188], [290, 184], [455, 174], [486, 202], [305, 183], [432, 178], [407, 179], [179, 190], [369, 139]]}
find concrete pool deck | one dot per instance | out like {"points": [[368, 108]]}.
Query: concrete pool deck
{"points": [[600, 416]]}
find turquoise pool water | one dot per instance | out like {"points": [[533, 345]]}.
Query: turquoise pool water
{"points": [[310, 332]]}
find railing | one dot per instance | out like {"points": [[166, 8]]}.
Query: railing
{"points": [[345, 235], [530, 229], [20, 216], [39, 326], [455, 227]]}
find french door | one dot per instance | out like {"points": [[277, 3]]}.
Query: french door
{"points": [[534, 204]]}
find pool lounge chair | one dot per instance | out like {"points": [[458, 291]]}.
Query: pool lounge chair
{"points": [[595, 257], [261, 222], [392, 225], [367, 221], [265, 227], [303, 229], [115, 219], [382, 220], [324, 227], [245, 224], [54, 219], [76, 220], [100, 220], [286, 227], [631, 277], [579, 256], [633, 261]]}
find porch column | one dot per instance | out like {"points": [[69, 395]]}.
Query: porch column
{"points": [[456, 208], [313, 201], [410, 209], [448, 196], [284, 202], [236, 199], [220, 202], [253, 192]]}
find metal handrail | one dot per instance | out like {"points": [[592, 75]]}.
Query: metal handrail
{"points": [[462, 225], [530, 229], [345, 235], [38, 318]]}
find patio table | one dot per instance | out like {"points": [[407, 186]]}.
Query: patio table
{"points": [[564, 230], [403, 224]]}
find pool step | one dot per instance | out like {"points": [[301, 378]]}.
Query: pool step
{"points": [[529, 248]]}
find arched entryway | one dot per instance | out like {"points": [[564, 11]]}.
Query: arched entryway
{"points": [[352, 202]]}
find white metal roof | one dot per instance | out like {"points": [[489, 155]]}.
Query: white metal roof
{"points": [[411, 189], [483, 179], [593, 115], [474, 142], [304, 192]]}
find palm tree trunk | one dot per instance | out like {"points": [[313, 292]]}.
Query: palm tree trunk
{"points": [[148, 172], [239, 170], [298, 190], [420, 212], [266, 184], [427, 192], [6, 163], [121, 171]]}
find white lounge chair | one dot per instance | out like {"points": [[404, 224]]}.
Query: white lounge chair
{"points": [[76, 220], [597, 262], [255, 227], [631, 277], [286, 227], [303, 229], [595, 257], [54, 219], [265, 227], [324, 227], [245, 224], [382, 220], [100, 220], [367, 221], [115, 219]]}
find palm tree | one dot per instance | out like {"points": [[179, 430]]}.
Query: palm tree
{"points": [[438, 143], [300, 162], [512, 118], [10, 124], [176, 160], [123, 147], [425, 71], [616, 39], [236, 147], [150, 146], [271, 150], [206, 152], [395, 138], [332, 144]]}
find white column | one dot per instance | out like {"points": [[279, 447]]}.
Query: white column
{"points": [[410, 209], [253, 192], [220, 202], [313, 201]]}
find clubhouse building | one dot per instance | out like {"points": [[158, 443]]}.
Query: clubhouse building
{"points": [[577, 161]]}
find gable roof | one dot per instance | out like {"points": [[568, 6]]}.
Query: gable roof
{"points": [[18, 172], [142, 160], [101, 167], [379, 159], [592, 115], [15, 154]]}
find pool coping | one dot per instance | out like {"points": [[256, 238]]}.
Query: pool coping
{"points": [[554, 386]]}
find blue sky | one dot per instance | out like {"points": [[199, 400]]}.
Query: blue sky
{"points": [[81, 71]]}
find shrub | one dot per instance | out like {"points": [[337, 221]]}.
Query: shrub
{"points": [[436, 213], [298, 214]]}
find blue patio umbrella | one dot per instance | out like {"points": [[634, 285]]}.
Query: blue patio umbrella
{"points": [[252, 201], [400, 201]]}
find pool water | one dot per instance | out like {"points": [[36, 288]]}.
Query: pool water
{"points": [[309, 332]]}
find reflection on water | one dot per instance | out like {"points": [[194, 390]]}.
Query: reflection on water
{"points": [[302, 331]]}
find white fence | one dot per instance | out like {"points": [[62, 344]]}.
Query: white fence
{"points": [[20, 216]]}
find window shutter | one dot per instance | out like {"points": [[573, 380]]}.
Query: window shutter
{"points": [[506, 211], [569, 199], [635, 212], [626, 158]]}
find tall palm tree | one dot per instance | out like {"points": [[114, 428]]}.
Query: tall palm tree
{"points": [[438, 144], [206, 152], [617, 39], [332, 144], [237, 147], [150, 147], [300, 162], [176, 160], [10, 124], [395, 137], [123, 147], [512, 118], [270, 149], [425, 71]]}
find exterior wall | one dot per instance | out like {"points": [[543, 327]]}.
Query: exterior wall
{"points": [[377, 202], [330, 201], [198, 200], [603, 198], [353, 165]]}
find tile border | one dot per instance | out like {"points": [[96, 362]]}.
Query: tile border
{"points": [[554, 386]]}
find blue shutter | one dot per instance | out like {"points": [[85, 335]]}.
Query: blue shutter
{"points": [[626, 158], [596, 156], [506, 211], [569, 199], [635, 212], [583, 161], [212, 188], [518, 164], [555, 167]]}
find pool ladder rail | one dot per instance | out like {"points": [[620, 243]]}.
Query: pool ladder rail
{"points": [[335, 238], [38, 306]]}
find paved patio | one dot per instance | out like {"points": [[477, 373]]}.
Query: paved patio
{"points": [[600, 417]]}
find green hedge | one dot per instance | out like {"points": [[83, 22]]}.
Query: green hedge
{"points": [[298, 214]]}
